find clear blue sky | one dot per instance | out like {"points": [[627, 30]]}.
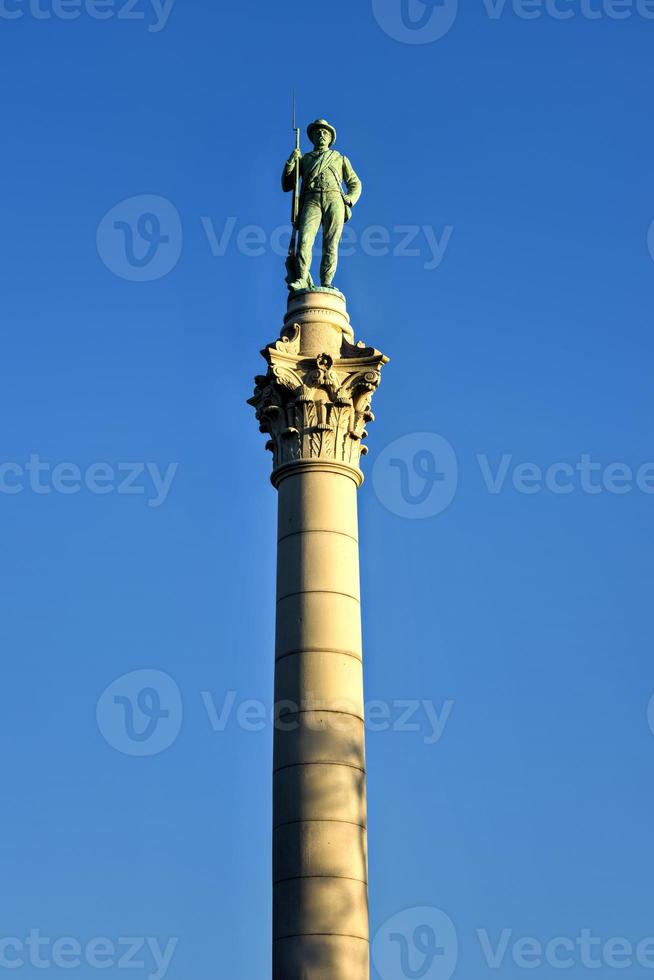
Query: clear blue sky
{"points": [[527, 143]]}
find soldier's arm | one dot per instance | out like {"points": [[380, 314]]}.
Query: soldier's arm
{"points": [[288, 174], [352, 182]]}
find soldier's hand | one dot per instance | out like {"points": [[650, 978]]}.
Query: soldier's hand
{"points": [[294, 157]]}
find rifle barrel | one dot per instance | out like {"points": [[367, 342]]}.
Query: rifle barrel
{"points": [[296, 189]]}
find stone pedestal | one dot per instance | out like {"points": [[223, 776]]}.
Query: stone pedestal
{"points": [[314, 403]]}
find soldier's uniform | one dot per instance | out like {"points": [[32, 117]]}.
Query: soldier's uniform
{"points": [[322, 201]]}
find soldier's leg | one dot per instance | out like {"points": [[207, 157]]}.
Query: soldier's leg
{"points": [[332, 229], [309, 224]]}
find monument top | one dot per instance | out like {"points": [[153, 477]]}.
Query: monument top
{"points": [[325, 189]]}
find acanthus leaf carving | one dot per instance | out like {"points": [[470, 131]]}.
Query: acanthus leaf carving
{"points": [[316, 407]]}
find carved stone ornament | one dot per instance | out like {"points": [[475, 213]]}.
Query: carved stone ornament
{"points": [[316, 408]]}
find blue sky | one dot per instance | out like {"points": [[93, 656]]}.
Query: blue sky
{"points": [[509, 152]]}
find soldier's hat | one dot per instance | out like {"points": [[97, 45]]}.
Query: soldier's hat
{"points": [[321, 123]]}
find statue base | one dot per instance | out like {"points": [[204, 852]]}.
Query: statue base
{"points": [[321, 313], [317, 289]]}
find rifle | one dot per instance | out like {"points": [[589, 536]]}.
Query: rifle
{"points": [[291, 263]]}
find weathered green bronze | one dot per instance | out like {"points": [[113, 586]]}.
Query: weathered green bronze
{"points": [[322, 201]]}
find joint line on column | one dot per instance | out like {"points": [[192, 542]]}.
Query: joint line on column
{"points": [[322, 762], [343, 653], [291, 823], [291, 595], [318, 711], [322, 935], [284, 881], [317, 530]]}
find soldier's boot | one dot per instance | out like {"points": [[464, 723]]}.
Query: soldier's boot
{"points": [[302, 267]]}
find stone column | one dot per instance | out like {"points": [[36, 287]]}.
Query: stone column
{"points": [[314, 403]]}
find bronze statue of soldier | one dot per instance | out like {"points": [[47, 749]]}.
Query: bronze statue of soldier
{"points": [[321, 201]]}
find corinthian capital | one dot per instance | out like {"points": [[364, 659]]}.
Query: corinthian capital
{"points": [[316, 407]]}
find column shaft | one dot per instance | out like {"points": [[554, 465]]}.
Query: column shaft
{"points": [[320, 868]]}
